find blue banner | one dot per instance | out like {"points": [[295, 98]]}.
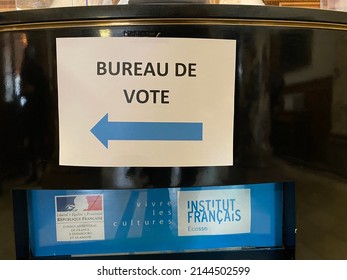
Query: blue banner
{"points": [[83, 222]]}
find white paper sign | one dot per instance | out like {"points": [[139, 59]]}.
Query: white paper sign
{"points": [[214, 212], [146, 101]]}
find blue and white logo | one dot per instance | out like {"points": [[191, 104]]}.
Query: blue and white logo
{"points": [[214, 212]]}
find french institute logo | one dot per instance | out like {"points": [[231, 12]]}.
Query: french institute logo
{"points": [[214, 212], [79, 217]]}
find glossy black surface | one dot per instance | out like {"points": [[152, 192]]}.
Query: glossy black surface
{"points": [[290, 97], [289, 93], [172, 11]]}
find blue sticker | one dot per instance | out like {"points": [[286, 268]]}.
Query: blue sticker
{"points": [[63, 222]]}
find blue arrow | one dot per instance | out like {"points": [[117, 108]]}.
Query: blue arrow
{"points": [[157, 131]]}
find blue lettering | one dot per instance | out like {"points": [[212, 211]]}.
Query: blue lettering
{"points": [[238, 215], [189, 216], [197, 216], [202, 206], [213, 210], [227, 217], [225, 204], [212, 216], [208, 201], [194, 205], [204, 217], [232, 204], [219, 218], [218, 203]]}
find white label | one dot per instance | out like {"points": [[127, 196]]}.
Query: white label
{"points": [[146, 101], [214, 212], [79, 217]]}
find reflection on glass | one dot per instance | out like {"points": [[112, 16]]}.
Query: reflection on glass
{"points": [[340, 5], [105, 32], [42, 4]]}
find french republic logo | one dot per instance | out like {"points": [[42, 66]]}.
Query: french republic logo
{"points": [[79, 217], [79, 203]]}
